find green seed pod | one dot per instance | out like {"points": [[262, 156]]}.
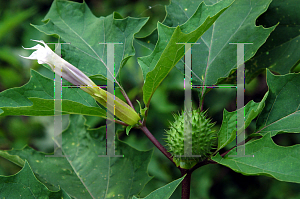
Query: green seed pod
{"points": [[202, 139]]}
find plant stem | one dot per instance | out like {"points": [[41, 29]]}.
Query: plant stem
{"points": [[201, 101], [186, 183], [200, 164], [146, 114], [156, 143], [120, 122], [127, 98]]}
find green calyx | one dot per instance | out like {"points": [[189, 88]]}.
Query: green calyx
{"points": [[200, 139]]}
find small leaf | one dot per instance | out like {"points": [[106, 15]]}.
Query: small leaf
{"points": [[164, 192], [128, 128], [142, 110], [227, 132]]}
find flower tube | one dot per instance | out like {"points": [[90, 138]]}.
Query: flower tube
{"points": [[44, 55]]}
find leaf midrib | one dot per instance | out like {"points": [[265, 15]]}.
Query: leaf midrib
{"points": [[81, 39], [208, 59]]}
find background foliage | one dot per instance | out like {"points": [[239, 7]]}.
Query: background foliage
{"points": [[216, 181]]}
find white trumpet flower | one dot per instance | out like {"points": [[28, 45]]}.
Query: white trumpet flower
{"points": [[44, 55]]}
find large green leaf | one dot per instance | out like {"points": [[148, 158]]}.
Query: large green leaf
{"points": [[228, 130], [215, 58], [36, 98], [282, 47], [25, 185], [164, 192], [167, 52], [75, 24], [282, 110], [83, 174], [282, 163]]}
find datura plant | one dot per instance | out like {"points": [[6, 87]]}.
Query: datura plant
{"points": [[44, 55], [205, 57]]}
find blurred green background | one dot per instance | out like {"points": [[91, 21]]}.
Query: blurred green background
{"points": [[212, 181]]}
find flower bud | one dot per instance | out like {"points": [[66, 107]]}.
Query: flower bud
{"points": [[44, 55]]}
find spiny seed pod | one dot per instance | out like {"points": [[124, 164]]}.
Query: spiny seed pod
{"points": [[201, 138]]}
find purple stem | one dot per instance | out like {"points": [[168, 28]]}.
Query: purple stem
{"points": [[186, 183], [156, 143], [127, 98]]}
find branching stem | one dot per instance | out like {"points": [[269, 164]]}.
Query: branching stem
{"points": [[156, 143]]}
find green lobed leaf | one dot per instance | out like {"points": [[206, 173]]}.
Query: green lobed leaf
{"points": [[282, 111], [227, 132], [168, 52], [35, 98], [215, 58], [164, 192], [177, 13], [83, 174], [25, 185], [281, 163], [282, 47], [76, 24]]}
